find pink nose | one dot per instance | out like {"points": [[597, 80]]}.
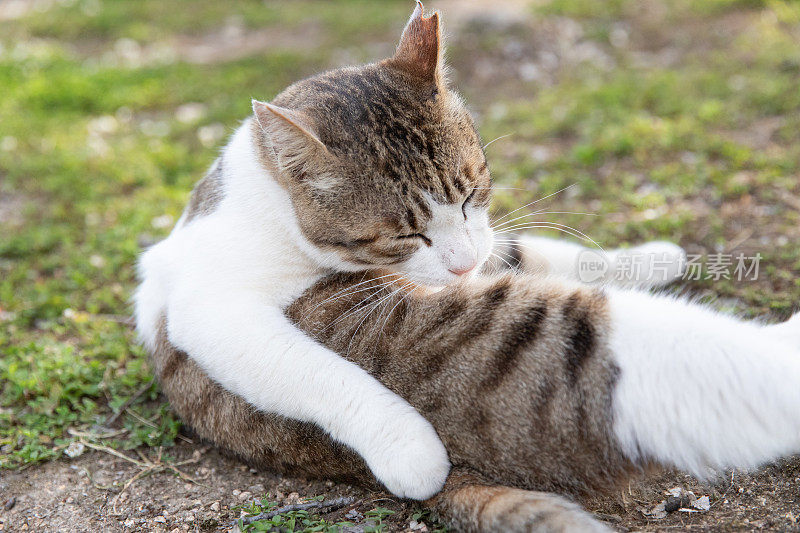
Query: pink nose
{"points": [[462, 269]]}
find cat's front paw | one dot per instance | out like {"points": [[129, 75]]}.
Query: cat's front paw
{"points": [[411, 461], [788, 331], [652, 264]]}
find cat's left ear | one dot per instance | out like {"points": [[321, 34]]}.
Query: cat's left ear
{"points": [[286, 126], [420, 50], [292, 143]]}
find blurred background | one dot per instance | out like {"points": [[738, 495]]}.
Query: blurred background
{"points": [[670, 119]]}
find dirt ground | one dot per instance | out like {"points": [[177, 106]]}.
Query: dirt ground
{"points": [[77, 495]]}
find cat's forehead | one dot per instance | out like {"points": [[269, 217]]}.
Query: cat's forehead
{"points": [[385, 127]]}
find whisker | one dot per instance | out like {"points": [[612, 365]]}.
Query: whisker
{"points": [[349, 287], [357, 307], [504, 254], [389, 315], [344, 292], [503, 260], [485, 146], [535, 213], [552, 225], [502, 188], [535, 201], [374, 306]]}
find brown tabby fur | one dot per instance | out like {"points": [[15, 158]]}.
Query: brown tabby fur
{"points": [[357, 148], [512, 371], [207, 194]]}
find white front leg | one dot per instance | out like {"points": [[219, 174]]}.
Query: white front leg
{"points": [[253, 350], [653, 264]]}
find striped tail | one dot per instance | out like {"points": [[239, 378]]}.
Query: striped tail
{"points": [[472, 506]]}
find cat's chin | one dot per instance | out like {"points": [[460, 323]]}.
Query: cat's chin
{"points": [[433, 284], [438, 282]]}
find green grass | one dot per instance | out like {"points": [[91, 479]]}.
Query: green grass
{"points": [[94, 153], [308, 522], [290, 521], [670, 152]]}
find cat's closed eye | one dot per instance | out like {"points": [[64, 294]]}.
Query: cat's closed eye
{"points": [[425, 239], [464, 205]]}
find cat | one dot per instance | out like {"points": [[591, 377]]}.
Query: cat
{"points": [[539, 388], [324, 307]]}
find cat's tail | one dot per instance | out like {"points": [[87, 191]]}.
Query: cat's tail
{"points": [[699, 390], [471, 506]]}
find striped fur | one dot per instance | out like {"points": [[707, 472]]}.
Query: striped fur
{"points": [[499, 362], [207, 194]]}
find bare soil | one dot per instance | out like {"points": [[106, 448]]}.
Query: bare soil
{"points": [[84, 494]]}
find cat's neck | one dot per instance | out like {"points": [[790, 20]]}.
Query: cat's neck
{"points": [[262, 205]]}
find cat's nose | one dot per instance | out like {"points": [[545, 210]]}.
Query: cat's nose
{"points": [[460, 270]]}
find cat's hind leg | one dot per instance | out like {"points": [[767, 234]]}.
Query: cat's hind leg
{"points": [[699, 390], [652, 264], [470, 505]]}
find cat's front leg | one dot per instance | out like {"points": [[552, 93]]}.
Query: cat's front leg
{"points": [[252, 349], [653, 264], [788, 331]]}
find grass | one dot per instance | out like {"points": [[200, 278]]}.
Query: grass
{"points": [[300, 520], [95, 164], [686, 129]]}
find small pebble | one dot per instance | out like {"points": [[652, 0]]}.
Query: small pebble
{"points": [[10, 503], [672, 504], [703, 503], [214, 506]]}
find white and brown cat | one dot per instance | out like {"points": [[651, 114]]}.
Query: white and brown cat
{"points": [[324, 307]]}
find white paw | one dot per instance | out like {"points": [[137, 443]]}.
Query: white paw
{"points": [[788, 331], [411, 461], [652, 264]]}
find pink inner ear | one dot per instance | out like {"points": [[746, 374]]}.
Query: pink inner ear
{"points": [[419, 49]]}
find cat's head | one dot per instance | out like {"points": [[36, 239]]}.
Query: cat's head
{"points": [[383, 164]]}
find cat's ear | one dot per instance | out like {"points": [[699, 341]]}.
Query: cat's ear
{"points": [[287, 127], [420, 49], [291, 144]]}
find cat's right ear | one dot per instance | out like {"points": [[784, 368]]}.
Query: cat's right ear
{"points": [[420, 49]]}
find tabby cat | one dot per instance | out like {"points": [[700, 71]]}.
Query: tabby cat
{"points": [[325, 307]]}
